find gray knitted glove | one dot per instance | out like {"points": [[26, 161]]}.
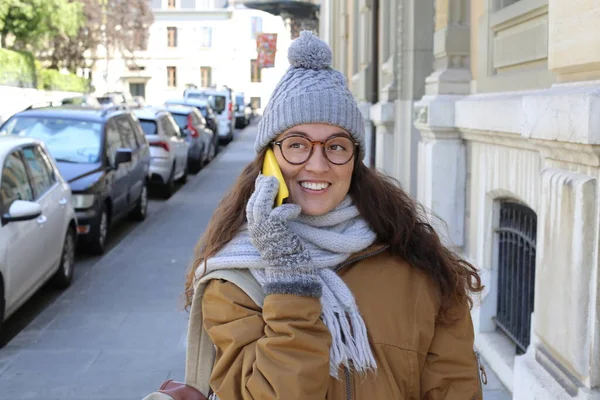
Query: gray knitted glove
{"points": [[289, 267]]}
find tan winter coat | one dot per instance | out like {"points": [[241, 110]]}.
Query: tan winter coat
{"points": [[282, 351]]}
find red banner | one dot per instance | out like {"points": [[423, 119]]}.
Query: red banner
{"points": [[266, 46]]}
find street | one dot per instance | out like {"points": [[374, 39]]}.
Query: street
{"points": [[119, 330]]}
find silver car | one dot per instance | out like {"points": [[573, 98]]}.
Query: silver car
{"points": [[168, 148], [202, 141], [38, 226]]}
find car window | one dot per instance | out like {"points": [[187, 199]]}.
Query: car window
{"points": [[181, 120], [173, 125], [169, 126], [68, 140], [126, 130], [203, 110], [42, 177], [149, 127], [113, 141], [219, 103], [198, 118], [164, 124], [137, 131], [14, 183]]}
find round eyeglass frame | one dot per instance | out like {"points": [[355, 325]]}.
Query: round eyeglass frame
{"points": [[312, 147]]}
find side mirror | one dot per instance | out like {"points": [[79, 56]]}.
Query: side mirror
{"points": [[22, 210], [184, 132], [122, 156]]}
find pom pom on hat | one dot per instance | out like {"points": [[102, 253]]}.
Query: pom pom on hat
{"points": [[310, 52]]}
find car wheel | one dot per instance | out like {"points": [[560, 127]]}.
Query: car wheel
{"points": [[196, 166], [63, 277], [97, 243], [213, 151], [140, 211], [169, 186]]}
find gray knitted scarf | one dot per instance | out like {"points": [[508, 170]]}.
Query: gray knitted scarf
{"points": [[330, 239]]}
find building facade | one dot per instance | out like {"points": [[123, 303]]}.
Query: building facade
{"points": [[488, 112], [205, 43]]}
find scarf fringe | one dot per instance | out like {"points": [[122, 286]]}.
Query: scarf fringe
{"points": [[337, 352]]}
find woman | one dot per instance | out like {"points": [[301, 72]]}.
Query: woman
{"points": [[362, 299]]}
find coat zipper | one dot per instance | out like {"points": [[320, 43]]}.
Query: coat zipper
{"points": [[348, 384], [340, 266], [357, 259], [481, 374]]}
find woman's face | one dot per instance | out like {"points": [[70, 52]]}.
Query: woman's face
{"points": [[318, 186]]}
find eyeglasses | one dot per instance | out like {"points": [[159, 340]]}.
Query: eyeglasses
{"points": [[296, 149]]}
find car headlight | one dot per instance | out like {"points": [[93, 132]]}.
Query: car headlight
{"points": [[82, 200]]}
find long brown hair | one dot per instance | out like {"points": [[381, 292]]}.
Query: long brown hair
{"points": [[396, 218]]}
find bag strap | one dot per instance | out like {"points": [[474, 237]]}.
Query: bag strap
{"points": [[200, 353]]}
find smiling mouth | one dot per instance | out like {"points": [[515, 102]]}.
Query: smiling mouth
{"points": [[315, 186]]}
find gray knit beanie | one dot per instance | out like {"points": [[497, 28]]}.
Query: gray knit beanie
{"points": [[310, 92]]}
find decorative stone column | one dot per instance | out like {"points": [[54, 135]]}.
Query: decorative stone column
{"points": [[441, 154]]}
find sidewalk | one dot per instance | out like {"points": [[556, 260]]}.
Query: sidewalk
{"points": [[119, 332]]}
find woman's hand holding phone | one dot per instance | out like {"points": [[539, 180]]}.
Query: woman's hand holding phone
{"points": [[271, 168]]}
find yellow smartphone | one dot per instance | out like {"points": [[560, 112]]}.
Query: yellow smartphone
{"points": [[271, 168]]}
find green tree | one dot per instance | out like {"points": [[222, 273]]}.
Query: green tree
{"points": [[32, 23], [125, 22]]}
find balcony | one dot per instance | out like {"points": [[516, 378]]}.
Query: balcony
{"points": [[292, 9]]}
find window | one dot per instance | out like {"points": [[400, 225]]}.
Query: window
{"points": [[171, 36], [205, 76], [15, 184], [504, 3], [140, 138], [171, 4], [516, 251], [255, 26], [254, 71], [113, 141], [42, 176], [67, 140], [171, 77], [206, 36], [255, 103], [127, 135], [169, 126]]}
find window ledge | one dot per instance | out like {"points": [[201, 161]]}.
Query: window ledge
{"points": [[517, 13]]}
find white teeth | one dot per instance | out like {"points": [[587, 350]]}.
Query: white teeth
{"points": [[314, 185]]}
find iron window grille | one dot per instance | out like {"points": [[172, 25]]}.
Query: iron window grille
{"points": [[516, 243]]}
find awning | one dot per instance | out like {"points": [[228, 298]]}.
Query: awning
{"points": [[295, 9]]}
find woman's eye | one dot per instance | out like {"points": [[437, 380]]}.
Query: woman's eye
{"points": [[336, 147]]}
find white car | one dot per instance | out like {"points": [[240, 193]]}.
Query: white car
{"points": [[38, 227], [168, 148], [221, 102]]}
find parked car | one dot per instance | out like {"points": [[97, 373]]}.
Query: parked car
{"points": [[104, 156], [168, 148], [85, 100], [203, 142], [242, 111], [138, 102], [111, 101], [38, 227], [205, 109], [221, 102]]}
